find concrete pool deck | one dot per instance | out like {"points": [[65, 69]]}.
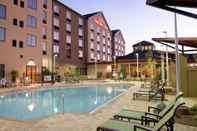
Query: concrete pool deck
{"points": [[86, 121]]}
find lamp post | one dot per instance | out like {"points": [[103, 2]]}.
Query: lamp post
{"points": [[167, 60], [54, 66], [137, 57], [114, 67], [95, 67]]}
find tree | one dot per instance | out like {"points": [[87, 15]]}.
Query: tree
{"points": [[14, 75], [122, 72], [151, 65]]}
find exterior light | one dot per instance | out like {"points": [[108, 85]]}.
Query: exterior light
{"points": [[109, 68], [31, 107], [109, 90], [27, 95], [55, 110], [31, 63], [95, 102]]}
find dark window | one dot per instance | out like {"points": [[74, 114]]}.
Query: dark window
{"points": [[15, 2], [45, 4], [14, 43], [15, 21], [21, 56], [21, 24], [22, 4], [2, 71], [21, 44], [2, 11]]}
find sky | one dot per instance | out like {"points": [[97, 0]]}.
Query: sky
{"points": [[136, 20]]}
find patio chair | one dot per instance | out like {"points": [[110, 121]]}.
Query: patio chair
{"points": [[129, 115], [155, 93], [117, 125]]}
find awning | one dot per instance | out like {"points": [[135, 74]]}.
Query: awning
{"points": [[170, 6], [185, 41]]}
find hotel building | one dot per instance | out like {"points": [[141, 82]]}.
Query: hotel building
{"points": [[46, 33], [25, 37], [98, 38], [118, 43], [68, 37]]}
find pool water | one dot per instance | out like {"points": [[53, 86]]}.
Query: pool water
{"points": [[28, 105]]}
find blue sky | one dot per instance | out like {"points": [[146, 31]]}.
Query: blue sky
{"points": [[136, 20]]}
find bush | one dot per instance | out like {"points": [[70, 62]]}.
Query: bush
{"points": [[194, 108], [14, 75], [99, 75]]}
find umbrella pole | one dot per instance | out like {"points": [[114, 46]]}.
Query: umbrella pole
{"points": [[177, 55]]}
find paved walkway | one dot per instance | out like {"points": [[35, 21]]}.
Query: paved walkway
{"points": [[86, 122]]}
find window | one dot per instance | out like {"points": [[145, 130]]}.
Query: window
{"points": [[2, 34], [15, 2], [98, 56], [80, 53], [56, 35], [22, 4], [92, 55], [98, 47], [68, 15], [31, 21], [45, 2], [56, 49], [56, 22], [92, 36], [44, 31], [68, 39], [98, 39], [104, 58], [2, 70], [21, 24], [92, 45], [44, 48], [32, 4], [80, 43], [44, 17], [2, 11], [21, 44], [80, 21], [56, 9], [80, 32], [68, 27], [31, 40], [15, 22], [14, 43], [104, 49]]}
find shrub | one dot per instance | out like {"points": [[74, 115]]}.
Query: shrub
{"points": [[194, 108]]}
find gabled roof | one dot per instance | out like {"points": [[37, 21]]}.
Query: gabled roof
{"points": [[87, 16], [143, 43], [91, 14], [115, 31]]}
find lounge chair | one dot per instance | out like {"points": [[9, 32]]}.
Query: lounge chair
{"points": [[129, 115], [168, 119], [158, 92]]}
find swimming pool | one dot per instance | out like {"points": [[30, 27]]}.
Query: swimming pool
{"points": [[35, 104]]}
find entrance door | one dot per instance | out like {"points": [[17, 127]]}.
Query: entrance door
{"points": [[31, 73], [2, 71]]}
